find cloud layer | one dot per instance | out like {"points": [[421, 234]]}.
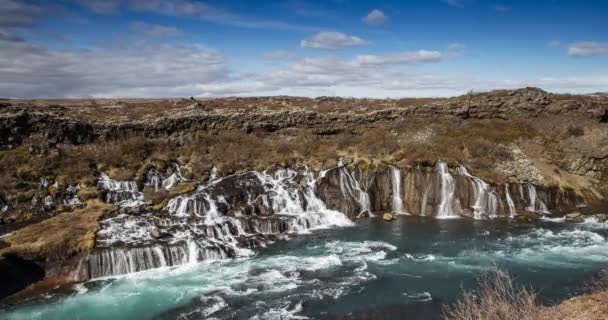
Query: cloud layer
{"points": [[332, 40], [587, 49]]}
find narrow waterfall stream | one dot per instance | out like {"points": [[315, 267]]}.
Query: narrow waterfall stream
{"points": [[486, 200], [396, 190], [446, 182], [510, 202]]}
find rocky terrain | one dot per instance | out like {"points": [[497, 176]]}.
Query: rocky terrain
{"points": [[150, 183]]}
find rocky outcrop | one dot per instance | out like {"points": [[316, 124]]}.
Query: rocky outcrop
{"points": [[423, 192], [22, 121]]}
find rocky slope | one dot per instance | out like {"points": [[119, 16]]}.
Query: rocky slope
{"points": [[159, 183]]}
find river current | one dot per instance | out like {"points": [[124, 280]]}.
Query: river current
{"points": [[409, 268]]}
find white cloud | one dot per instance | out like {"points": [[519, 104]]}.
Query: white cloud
{"points": [[587, 49], [18, 14], [502, 8], [332, 40], [456, 46], [375, 18], [400, 58], [154, 30], [28, 70], [101, 6], [279, 55], [554, 44]]}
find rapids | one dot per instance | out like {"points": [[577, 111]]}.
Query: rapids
{"points": [[407, 268]]}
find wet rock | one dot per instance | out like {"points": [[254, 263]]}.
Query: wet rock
{"points": [[575, 217], [388, 217], [600, 218]]}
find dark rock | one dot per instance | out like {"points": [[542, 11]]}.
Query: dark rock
{"points": [[17, 273]]}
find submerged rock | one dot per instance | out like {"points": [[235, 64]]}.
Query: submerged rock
{"points": [[575, 217], [600, 218], [388, 217]]}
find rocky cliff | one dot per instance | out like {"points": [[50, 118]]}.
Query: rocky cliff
{"points": [[146, 184]]}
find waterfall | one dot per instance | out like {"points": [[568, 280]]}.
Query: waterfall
{"points": [[534, 203], [122, 193], [349, 185], [206, 224], [213, 173], [510, 202], [486, 200], [396, 190], [446, 181]]}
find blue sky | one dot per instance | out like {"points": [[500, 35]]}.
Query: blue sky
{"points": [[163, 48]]}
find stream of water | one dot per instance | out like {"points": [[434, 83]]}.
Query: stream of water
{"points": [[408, 268]]}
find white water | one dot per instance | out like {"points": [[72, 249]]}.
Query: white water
{"points": [[446, 206], [349, 185], [535, 204], [203, 226], [486, 200], [509, 201], [122, 193], [396, 190]]}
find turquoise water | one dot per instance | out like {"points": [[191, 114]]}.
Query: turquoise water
{"points": [[405, 269]]}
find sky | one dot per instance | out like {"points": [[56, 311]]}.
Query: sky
{"points": [[350, 48]]}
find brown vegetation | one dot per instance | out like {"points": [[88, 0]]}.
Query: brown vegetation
{"points": [[61, 236], [499, 298]]}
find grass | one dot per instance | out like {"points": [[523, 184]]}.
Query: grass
{"points": [[61, 236], [499, 298]]}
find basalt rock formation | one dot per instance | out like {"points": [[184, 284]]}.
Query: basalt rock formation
{"points": [[185, 181]]}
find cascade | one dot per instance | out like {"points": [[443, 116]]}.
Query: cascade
{"points": [[396, 190], [535, 204], [349, 185], [486, 200], [446, 181], [510, 202], [213, 173], [122, 193], [206, 224]]}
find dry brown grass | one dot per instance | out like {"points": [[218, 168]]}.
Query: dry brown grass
{"points": [[61, 236], [498, 298]]}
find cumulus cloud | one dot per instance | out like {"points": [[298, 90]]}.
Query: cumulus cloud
{"points": [[587, 49], [332, 40], [18, 14], [172, 8], [400, 58], [154, 30], [28, 70], [554, 44], [279, 55], [100, 6], [375, 18]]}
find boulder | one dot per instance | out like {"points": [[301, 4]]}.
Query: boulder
{"points": [[388, 217], [600, 217], [575, 217]]}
